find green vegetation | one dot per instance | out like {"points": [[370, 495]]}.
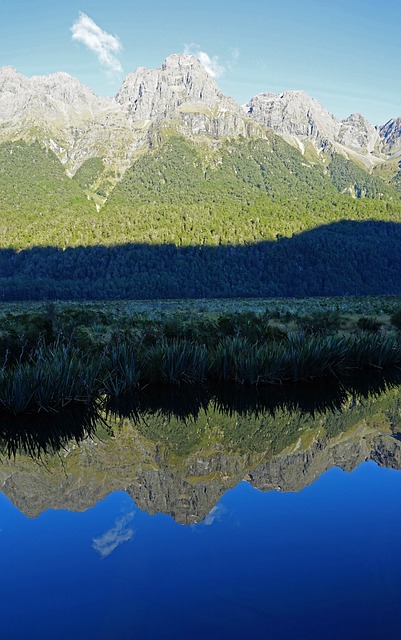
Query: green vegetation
{"points": [[247, 218], [88, 173], [347, 176], [82, 354], [38, 202], [185, 194], [244, 192]]}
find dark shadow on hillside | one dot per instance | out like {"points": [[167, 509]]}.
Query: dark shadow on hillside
{"points": [[343, 258]]}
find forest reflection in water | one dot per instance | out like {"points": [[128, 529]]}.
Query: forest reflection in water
{"points": [[177, 451]]}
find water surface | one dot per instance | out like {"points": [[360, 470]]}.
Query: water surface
{"points": [[214, 518]]}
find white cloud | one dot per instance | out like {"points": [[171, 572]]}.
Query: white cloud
{"points": [[211, 64], [103, 44], [111, 539], [233, 59]]}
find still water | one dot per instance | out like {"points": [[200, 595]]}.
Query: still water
{"points": [[259, 516]]}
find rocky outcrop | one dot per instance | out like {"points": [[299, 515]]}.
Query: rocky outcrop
{"points": [[300, 119], [64, 116], [358, 134], [181, 80], [390, 135], [295, 114], [182, 94]]}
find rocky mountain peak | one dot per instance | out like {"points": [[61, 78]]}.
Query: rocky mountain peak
{"points": [[390, 134], [11, 81], [181, 79], [299, 118], [67, 117], [68, 90], [8, 71], [182, 61], [294, 113], [357, 133]]}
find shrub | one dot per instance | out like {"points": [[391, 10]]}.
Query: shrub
{"points": [[368, 324], [396, 319]]}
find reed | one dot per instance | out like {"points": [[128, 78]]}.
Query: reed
{"points": [[301, 357], [305, 357], [174, 361], [370, 350], [121, 374], [50, 378], [53, 376]]}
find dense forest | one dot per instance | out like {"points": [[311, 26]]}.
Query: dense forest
{"points": [[250, 218], [345, 258]]}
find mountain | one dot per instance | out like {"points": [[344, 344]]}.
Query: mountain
{"points": [[68, 118], [390, 135], [172, 160], [180, 85], [301, 119]]}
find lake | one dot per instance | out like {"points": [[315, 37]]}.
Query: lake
{"points": [[266, 514]]}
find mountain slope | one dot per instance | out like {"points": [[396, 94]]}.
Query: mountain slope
{"points": [[38, 202], [173, 161], [184, 193]]}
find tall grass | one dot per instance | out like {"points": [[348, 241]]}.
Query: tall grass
{"points": [[121, 372], [53, 376], [301, 357], [50, 378], [174, 362]]}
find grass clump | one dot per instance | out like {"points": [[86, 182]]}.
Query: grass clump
{"points": [[366, 323], [121, 371], [101, 358], [49, 378], [174, 361]]}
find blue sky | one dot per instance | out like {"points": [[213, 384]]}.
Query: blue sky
{"points": [[347, 54]]}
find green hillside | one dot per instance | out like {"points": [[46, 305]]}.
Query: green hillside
{"points": [[185, 193], [39, 204], [250, 218], [244, 192]]}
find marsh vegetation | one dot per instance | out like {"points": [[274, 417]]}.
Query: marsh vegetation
{"points": [[57, 355]]}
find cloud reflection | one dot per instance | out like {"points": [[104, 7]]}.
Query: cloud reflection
{"points": [[111, 539], [214, 515]]}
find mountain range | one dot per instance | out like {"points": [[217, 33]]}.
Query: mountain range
{"points": [[171, 160], [70, 120]]}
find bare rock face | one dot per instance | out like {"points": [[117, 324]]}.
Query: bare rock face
{"points": [[297, 116], [182, 93], [151, 93], [45, 101], [357, 133], [390, 134], [63, 115], [294, 113]]}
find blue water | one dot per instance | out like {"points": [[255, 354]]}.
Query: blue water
{"points": [[323, 563]]}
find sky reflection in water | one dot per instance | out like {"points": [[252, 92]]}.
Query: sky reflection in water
{"points": [[321, 563]]}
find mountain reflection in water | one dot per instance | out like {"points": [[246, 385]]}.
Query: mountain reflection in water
{"points": [[178, 451]]}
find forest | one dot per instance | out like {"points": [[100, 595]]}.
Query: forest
{"points": [[251, 218]]}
